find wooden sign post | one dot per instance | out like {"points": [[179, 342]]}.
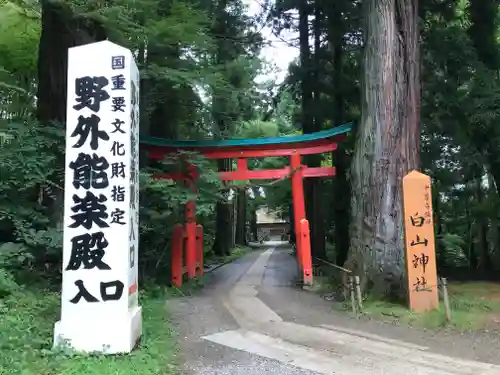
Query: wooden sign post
{"points": [[419, 243]]}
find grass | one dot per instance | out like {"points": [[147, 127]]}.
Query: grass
{"points": [[189, 287], [474, 306], [27, 319], [236, 253], [326, 279]]}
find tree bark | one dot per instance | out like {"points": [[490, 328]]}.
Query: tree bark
{"points": [[316, 198], [342, 192], [387, 144], [484, 253], [223, 232], [438, 224], [223, 119], [61, 29], [494, 227], [241, 216], [163, 95], [253, 225], [341, 186], [471, 254], [310, 124]]}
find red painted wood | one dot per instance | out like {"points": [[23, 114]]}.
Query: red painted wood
{"points": [[199, 250], [177, 249], [306, 148], [191, 239], [269, 174], [305, 241], [190, 215], [241, 164], [299, 210], [132, 288], [318, 171], [265, 174]]}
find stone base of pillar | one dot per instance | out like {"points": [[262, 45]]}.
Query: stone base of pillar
{"points": [[99, 334]]}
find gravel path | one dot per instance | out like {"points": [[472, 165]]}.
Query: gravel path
{"points": [[296, 305], [206, 314]]}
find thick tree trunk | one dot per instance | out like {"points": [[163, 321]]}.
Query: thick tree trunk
{"points": [[292, 225], [341, 187], [253, 225], [387, 145], [241, 204], [494, 227], [163, 95], [310, 123], [223, 233], [484, 252], [224, 117], [438, 224], [316, 212], [234, 216], [471, 254], [341, 208], [61, 29], [492, 156]]}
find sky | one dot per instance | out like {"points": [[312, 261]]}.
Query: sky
{"points": [[276, 51]]}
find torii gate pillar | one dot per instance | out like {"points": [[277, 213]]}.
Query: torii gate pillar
{"points": [[301, 225]]}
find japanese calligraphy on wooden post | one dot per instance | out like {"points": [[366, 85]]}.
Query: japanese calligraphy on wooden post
{"points": [[419, 242], [99, 310]]}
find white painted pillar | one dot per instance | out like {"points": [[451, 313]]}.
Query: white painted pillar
{"points": [[99, 310]]}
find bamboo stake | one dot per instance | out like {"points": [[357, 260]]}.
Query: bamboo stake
{"points": [[446, 300], [351, 291], [358, 293]]}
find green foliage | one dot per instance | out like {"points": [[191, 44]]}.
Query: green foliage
{"points": [[30, 180], [199, 61], [257, 129], [27, 320], [460, 137], [453, 246], [19, 33], [191, 76], [182, 60], [236, 253], [484, 31], [472, 308], [162, 206]]}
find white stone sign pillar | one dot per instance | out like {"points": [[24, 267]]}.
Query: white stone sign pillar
{"points": [[100, 311]]}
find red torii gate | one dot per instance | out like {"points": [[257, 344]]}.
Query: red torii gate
{"points": [[191, 234]]}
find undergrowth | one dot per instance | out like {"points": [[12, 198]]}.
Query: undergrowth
{"points": [[27, 320], [472, 308]]}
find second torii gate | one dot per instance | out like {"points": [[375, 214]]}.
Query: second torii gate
{"points": [[292, 146]]}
